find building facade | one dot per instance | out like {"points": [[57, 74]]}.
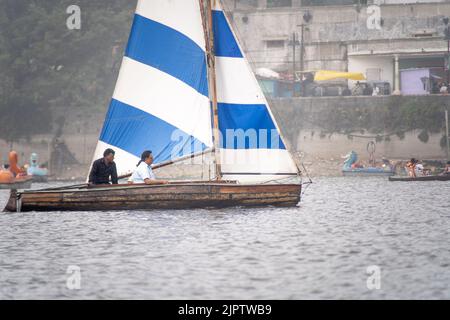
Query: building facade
{"points": [[379, 38]]}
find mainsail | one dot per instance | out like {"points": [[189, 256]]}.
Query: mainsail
{"points": [[161, 101], [161, 98]]}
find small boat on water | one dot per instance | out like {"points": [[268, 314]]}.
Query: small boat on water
{"points": [[416, 172], [14, 177], [422, 178], [185, 90], [350, 167], [39, 174]]}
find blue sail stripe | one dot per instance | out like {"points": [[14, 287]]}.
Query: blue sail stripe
{"points": [[225, 44], [135, 131], [248, 118], [168, 50]]}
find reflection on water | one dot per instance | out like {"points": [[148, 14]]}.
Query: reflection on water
{"points": [[320, 250]]}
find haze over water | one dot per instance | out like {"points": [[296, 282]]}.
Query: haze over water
{"points": [[321, 249]]}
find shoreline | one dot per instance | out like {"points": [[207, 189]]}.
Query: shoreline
{"points": [[317, 167]]}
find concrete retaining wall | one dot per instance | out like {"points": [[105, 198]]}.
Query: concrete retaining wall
{"points": [[330, 127], [317, 127]]}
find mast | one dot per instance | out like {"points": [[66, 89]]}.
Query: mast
{"points": [[206, 12]]}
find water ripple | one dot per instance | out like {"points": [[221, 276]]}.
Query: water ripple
{"points": [[320, 250]]}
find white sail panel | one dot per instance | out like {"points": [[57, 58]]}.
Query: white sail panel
{"points": [[161, 98], [233, 84], [252, 149], [256, 165]]}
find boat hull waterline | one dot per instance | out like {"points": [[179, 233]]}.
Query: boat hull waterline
{"points": [[424, 178], [17, 184], [40, 179], [142, 197], [367, 173]]}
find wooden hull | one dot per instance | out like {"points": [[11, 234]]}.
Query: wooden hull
{"points": [[141, 197], [425, 178]]}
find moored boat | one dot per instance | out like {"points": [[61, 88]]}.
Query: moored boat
{"points": [[13, 177], [39, 174], [350, 167], [17, 183]]}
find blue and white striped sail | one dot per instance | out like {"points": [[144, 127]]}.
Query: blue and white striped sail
{"points": [[161, 101], [252, 147]]}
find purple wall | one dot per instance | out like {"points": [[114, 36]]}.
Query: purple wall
{"points": [[411, 81]]}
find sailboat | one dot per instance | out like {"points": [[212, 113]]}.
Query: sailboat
{"points": [[185, 89]]}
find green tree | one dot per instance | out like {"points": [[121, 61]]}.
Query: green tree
{"points": [[47, 68]]}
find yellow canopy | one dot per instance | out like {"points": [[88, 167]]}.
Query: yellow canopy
{"points": [[324, 75]]}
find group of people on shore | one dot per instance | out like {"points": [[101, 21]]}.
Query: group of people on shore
{"points": [[104, 170], [364, 89]]}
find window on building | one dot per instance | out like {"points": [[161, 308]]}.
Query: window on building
{"points": [[243, 4], [279, 3], [275, 44]]}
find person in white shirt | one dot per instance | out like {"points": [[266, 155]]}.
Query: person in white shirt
{"points": [[376, 91], [419, 169], [144, 173]]}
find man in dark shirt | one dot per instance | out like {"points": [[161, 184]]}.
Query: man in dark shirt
{"points": [[104, 169]]}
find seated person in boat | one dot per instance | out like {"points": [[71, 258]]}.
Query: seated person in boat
{"points": [[387, 164], [144, 173], [104, 169], [411, 167], [447, 169], [357, 165], [420, 170]]}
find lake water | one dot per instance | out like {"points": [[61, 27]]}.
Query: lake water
{"points": [[323, 249]]}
